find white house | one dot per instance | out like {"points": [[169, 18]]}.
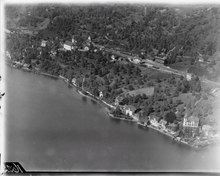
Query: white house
{"points": [[162, 123], [100, 94], [128, 110], [188, 76], [154, 122], [191, 121], [74, 81], [43, 43], [136, 61], [68, 45]]}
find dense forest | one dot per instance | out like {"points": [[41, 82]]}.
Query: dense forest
{"points": [[144, 30]]}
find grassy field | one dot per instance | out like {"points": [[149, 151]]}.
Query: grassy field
{"points": [[148, 91], [182, 66]]}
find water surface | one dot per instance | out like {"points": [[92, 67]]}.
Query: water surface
{"points": [[51, 127]]}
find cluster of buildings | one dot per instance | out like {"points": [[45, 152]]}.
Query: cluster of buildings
{"points": [[163, 125], [130, 111], [70, 45]]}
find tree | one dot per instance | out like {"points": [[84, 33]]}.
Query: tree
{"points": [[117, 111], [130, 87], [170, 117]]}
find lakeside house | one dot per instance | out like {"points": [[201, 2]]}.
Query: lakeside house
{"points": [[154, 121], [191, 122], [190, 126], [74, 81], [43, 43], [100, 94], [112, 57], [162, 123], [130, 111]]}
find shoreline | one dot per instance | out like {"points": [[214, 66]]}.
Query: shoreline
{"points": [[87, 94]]}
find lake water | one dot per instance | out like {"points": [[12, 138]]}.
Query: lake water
{"points": [[49, 127]]}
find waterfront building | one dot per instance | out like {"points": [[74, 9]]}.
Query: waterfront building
{"points": [[163, 123], [190, 126], [128, 110], [74, 81], [154, 121], [191, 121], [100, 94]]}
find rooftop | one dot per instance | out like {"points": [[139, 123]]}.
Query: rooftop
{"points": [[193, 118], [67, 42]]}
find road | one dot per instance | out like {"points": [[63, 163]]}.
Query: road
{"points": [[147, 62], [154, 65]]}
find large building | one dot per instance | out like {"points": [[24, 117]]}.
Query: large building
{"points": [[190, 126], [160, 60], [68, 45], [191, 121]]}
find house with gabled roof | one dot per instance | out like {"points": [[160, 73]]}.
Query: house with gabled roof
{"points": [[190, 126], [68, 45], [129, 110]]}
